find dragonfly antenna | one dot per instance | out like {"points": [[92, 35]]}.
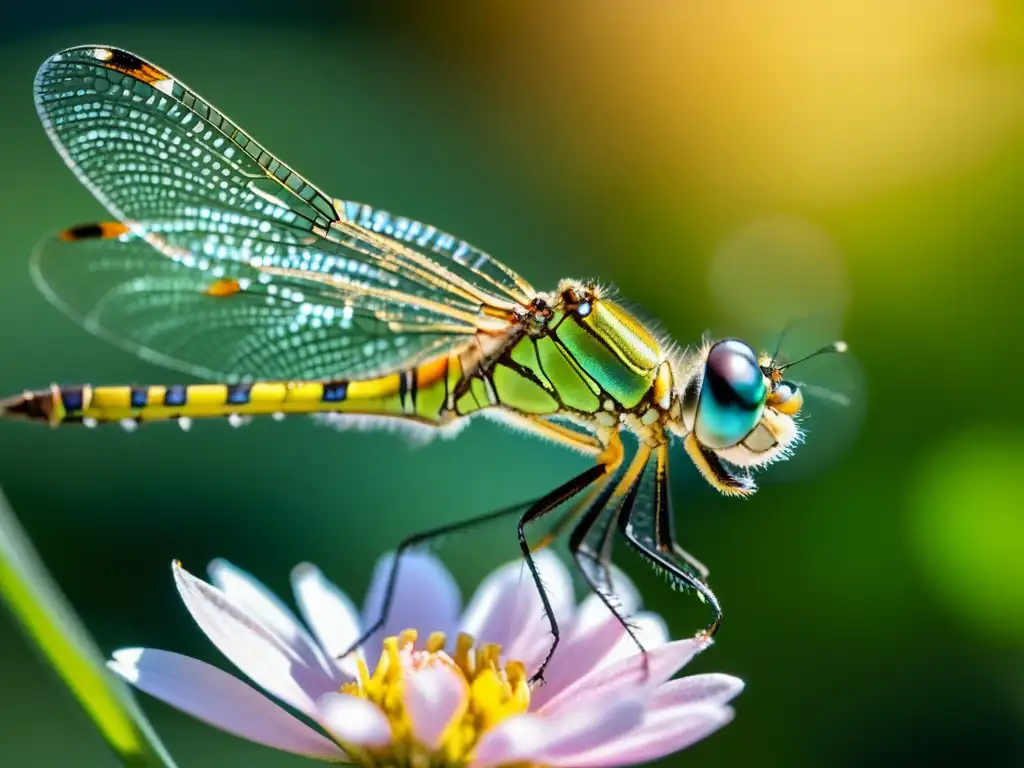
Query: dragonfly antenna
{"points": [[836, 346]]}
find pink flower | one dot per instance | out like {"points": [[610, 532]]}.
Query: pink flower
{"points": [[437, 685]]}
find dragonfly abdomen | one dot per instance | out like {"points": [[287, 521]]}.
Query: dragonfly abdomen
{"points": [[418, 393]]}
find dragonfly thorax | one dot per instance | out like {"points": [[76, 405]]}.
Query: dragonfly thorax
{"points": [[611, 347]]}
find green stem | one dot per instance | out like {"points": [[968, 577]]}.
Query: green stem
{"points": [[51, 624]]}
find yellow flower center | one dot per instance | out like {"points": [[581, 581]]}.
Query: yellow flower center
{"points": [[494, 692]]}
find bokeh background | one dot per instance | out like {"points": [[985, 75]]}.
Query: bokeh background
{"points": [[728, 166]]}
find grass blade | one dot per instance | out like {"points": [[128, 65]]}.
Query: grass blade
{"points": [[52, 625]]}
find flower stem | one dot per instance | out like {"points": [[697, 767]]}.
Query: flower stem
{"points": [[51, 624]]}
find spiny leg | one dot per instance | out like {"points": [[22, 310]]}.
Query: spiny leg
{"points": [[582, 442], [540, 508], [610, 454], [542, 427], [614, 503], [408, 543], [665, 528], [596, 478], [662, 551]]}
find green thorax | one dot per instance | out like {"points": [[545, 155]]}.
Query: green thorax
{"points": [[583, 359]]}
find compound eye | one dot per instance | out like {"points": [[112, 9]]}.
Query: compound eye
{"points": [[786, 398], [732, 395]]}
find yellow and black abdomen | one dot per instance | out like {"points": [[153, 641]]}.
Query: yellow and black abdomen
{"points": [[418, 393]]}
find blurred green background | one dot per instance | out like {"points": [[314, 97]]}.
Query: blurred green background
{"points": [[726, 167]]}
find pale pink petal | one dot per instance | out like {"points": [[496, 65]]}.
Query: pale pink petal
{"points": [[217, 698], [651, 741], [329, 613], [353, 720], [251, 594], [638, 671], [712, 688], [434, 697], [514, 740], [426, 599], [592, 637], [545, 740], [507, 609], [576, 657], [649, 628], [585, 727], [259, 652]]}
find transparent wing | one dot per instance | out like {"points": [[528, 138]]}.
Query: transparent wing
{"points": [[460, 257], [199, 191], [229, 320]]}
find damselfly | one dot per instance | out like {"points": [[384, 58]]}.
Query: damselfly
{"points": [[224, 263]]}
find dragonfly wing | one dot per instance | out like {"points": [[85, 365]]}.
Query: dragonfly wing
{"points": [[187, 181], [149, 148], [469, 262], [227, 320]]}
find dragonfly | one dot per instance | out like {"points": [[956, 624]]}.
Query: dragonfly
{"points": [[222, 262]]}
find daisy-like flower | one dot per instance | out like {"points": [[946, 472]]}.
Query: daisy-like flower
{"points": [[436, 686]]}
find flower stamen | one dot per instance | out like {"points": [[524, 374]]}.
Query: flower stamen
{"points": [[493, 692]]}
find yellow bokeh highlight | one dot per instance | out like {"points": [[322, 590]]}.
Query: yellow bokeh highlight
{"points": [[793, 101]]}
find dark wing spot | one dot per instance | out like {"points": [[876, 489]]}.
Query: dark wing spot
{"points": [[100, 230], [132, 65]]}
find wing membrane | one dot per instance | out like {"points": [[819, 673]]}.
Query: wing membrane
{"points": [[230, 320], [212, 203]]}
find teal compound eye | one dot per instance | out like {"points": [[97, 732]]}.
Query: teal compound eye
{"points": [[732, 395]]}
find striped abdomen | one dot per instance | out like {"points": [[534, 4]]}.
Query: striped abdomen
{"points": [[421, 393]]}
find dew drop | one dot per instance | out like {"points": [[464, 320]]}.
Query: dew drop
{"points": [[237, 420]]}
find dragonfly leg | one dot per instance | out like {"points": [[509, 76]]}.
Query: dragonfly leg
{"points": [[608, 453], [693, 562], [558, 433], [540, 508], [408, 543], [609, 459], [614, 503], [663, 552], [536, 510]]}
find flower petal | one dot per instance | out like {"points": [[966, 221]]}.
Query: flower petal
{"points": [[513, 740], [649, 628], [217, 698], [251, 594], [507, 609], [575, 657], [353, 720], [329, 613], [547, 740], [426, 598], [639, 671], [652, 741], [712, 688], [259, 652], [434, 698]]}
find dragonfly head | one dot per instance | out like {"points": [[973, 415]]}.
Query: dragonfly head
{"points": [[740, 406]]}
